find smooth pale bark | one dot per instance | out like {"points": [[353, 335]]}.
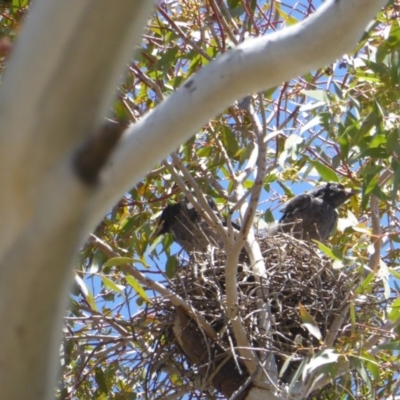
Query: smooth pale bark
{"points": [[56, 90], [58, 85]]}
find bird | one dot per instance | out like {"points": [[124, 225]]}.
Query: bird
{"points": [[313, 215], [188, 227]]}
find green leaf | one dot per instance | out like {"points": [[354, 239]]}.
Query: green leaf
{"points": [[372, 184], [168, 58], [396, 180], [268, 94], [101, 381], [369, 122], [394, 36], [268, 216], [309, 322], [19, 3], [344, 223], [381, 195], [332, 253], [233, 3], [326, 173], [282, 158], [299, 372], [374, 152], [367, 77], [236, 12], [155, 243], [310, 124], [286, 189], [86, 292], [384, 275], [395, 345], [395, 273], [394, 313], [378, 141], [230, 142], [170, 267], [130, 224], [382, 52], [324, 357], [370, 363], [286, 365], [204, 152], [195, 63], [319, 95], [137, 287], [361, 370], [364, 286], [118, 261], [393, 140], [111, 285], [292, 142], [96, 261], [287, 17]]}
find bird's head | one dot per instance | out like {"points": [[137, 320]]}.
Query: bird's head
{"points": [[168, 218], [333, 193], [181, 214]]}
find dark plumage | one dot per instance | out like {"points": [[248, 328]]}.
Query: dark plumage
{"points": [[312, 215], [188, 227]]}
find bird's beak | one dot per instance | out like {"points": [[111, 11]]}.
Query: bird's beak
{"points": [[352, 192], [157, 232]]}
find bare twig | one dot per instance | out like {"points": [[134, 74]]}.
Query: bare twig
{"points": [[158, 287]]}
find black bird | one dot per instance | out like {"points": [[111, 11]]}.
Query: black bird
{"points": [[188, 227], [312, 215]]}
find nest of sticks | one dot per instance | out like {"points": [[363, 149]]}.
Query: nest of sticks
{"points": [[297, 274]]}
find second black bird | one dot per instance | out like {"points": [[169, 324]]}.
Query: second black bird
{"points": [[312, 215], [188, 227]]}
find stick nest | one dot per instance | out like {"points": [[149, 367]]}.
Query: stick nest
{"points": [[297, 274]]}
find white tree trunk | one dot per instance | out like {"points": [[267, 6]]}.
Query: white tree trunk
{"points": [[57, 87]]}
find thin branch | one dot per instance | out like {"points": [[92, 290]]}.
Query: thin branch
{"points": [[158, 287], [376, 236], [182, 34], [226, 28], [247, 236], [375, 259], [336, 325], [199, 201]]}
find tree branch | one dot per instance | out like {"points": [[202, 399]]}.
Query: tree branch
{"points": [[255, 65], [175, 299]]}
